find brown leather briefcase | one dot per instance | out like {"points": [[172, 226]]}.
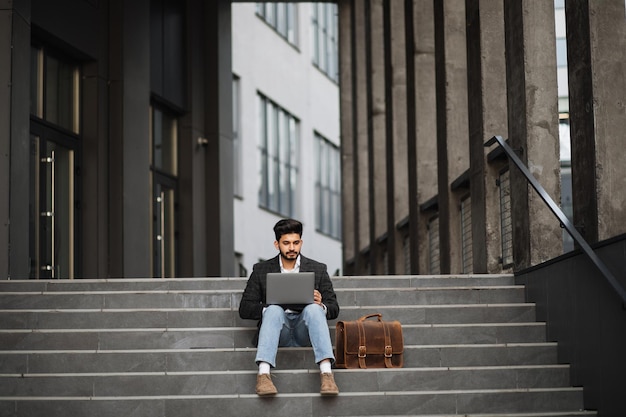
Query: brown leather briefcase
{"points": [[366, 343]]}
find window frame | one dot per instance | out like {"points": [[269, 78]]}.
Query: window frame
{"points": [[278, 158], [467, 251], [325, 39], [328, 220], [506, 220], [287, 27]]}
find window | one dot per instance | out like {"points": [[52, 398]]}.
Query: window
{"points": [[278, 152], [327, 187], [506, 224], [325, 55], [466, 235], [282, 17], [54, 90], [434, 266], [164, 137]]}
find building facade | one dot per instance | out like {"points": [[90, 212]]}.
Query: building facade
{"points": [[125, 152], [287, 152], [120, 158], [424, 85]]}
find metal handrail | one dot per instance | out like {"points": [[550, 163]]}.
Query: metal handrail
{"points": [[582, 243]]}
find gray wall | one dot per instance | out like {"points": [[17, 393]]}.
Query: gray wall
{"points": [[587, 319]]}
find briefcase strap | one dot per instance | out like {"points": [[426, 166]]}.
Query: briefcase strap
{"points": [[362, 349], [388, 349], [362, 342]]}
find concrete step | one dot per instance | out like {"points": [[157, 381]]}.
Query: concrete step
{"points": [[185, 360], [152, 284], [231, 337], [541, 414], [189, 360], [230, 299], [173, 347], [125, 284], [192, 317], [541, 401], [131, 384], [530, 414]]}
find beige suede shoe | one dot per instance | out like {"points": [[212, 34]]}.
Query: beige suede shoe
{"points": [[264, 385], [328, 386]]}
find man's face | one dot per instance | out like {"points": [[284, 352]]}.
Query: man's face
{"points": [[289, 246]]}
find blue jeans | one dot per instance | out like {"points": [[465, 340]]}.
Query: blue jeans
{"points": [[308, 328]]}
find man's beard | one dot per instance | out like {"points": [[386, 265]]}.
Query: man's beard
{"points": [[289, 255]]}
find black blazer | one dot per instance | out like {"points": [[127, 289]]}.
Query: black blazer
{"points": [[253, 299]]}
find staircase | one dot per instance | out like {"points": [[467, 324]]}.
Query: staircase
{"points": [[177, 347]]}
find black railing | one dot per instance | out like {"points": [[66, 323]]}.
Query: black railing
{"points": [[582, 243]]}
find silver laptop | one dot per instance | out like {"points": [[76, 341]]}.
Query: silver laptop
{"points": [[294, 288]]}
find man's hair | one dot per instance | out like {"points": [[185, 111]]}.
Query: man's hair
{"points": [[286, 226]]}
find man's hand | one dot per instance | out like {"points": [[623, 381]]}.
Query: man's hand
{"points": [[317, 297]]}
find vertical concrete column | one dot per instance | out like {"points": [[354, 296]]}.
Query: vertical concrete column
{"points": [[6, 28], [220, 254], [137, 199], [411, 137], [377, 175], [193, 192], [423, 132], [95, 227], [361, 139], [487, 117], [452, 134], [533, 127], [389, 265], [130, 178], [396, 132], [116, 141], [14, 139], [95, 150], [347, 105], [596, 51]]}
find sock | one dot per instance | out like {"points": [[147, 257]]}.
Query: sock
{"points": [[264, 368], [325, 367]]}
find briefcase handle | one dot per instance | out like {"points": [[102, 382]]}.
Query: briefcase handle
{"points": [[380, 317]]}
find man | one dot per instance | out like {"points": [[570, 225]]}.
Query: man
{"points": [[286, 327]]}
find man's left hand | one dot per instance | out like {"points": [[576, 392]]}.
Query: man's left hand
{"points": [[317, 297]]}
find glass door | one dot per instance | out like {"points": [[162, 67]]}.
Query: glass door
{"points": [[53, 206], [164, 226], [164, 165], [55, 152]]}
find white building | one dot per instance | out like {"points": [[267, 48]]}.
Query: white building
{"points": [[286, 107]]}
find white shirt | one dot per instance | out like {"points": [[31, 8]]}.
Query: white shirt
{"points": [[296, 268]]}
